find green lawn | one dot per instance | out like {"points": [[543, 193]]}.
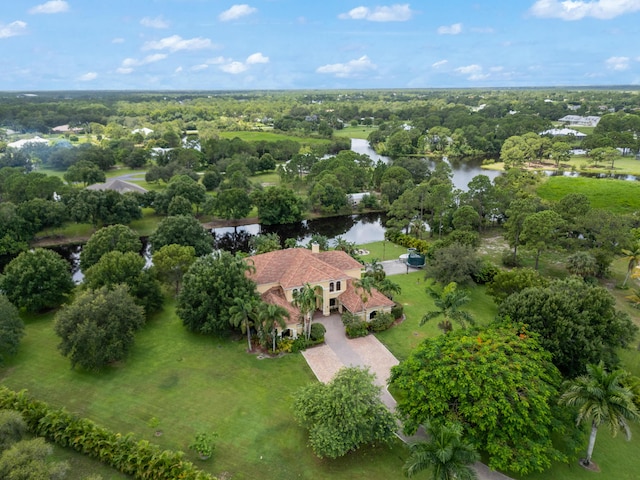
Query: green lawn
{"points": [[361, 131], [256, 136], [617, 196], [192, 382], [382, 251]]}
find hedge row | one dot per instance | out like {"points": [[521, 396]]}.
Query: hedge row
{"points": [[140, 459], [395, 236]]}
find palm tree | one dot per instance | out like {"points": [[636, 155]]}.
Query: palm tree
{"points": [[241, 314], [448, 456], [633, 256], [269, 317], [375, 269], [364, 285], [601, 397], [305, 300], [448, 301], [388, 288]]}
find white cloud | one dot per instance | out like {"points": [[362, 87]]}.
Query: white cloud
{"points": [[257, 58], [234, 68], [440, 63], [157, 22], [236, 12], [349, 69], [393, 13], [13, 29], [118, 40], [176, 43], [617, 63], [129, 63], [454, 29], [178, 70], [217, 61], [469, 69], [87, 77], [197, 68], [578, 9], [124, 70], [54, 6]]}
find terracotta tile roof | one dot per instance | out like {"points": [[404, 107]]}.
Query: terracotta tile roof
{"points": [[275, 296], [293, 267], [352, 301], [340, 260]]}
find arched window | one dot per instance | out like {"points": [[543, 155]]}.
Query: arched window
{"points": [[331, 286], [373, 314], [338, 285]]}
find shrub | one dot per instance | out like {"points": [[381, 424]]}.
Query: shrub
{"points": [[354, 326], [299, 344], [486, 273], [508, 260], [381, 322], [397, 311], [317, 332]]}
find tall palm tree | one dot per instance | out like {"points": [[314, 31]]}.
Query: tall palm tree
{"points": [[306, 300], [449, 301], [270, 317], [241, 315], [446, 453], [601, 397], [375, 269], [364, 286], [388, 288], [633, 257]]}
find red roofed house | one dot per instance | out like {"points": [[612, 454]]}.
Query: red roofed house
{"points": [[278, 274]]}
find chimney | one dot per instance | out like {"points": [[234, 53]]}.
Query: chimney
{"points": [[315, 247]]}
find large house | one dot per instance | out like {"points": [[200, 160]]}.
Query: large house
{"points": [[332, 274]]}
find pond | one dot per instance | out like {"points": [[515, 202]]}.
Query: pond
{"points": [[463, 172]]}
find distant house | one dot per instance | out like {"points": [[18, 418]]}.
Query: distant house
{"points": [[563, 132], [355, 198], [67, 129], [26, 141], [144, 131], [117, 185], [577, 120], [280, 273]]}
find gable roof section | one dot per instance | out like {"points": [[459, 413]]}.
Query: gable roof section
{"points": [[294, 267], [117, 185], [353, 302], [275, 296]]}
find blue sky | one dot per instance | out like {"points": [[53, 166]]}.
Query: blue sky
{"points": [[323, 44]]}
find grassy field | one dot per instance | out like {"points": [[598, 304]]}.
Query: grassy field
{"points": [[361, 131], [256, 136], [627, 165], [617, 196], [189, 383], [382, 251]]}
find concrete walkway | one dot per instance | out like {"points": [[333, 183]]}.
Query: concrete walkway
{"points": [[339, 351]]}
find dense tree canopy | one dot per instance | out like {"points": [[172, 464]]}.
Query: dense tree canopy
{"points": [[182, 230], [577, 322], [11, 328], [37, 280], [99, 327], [278, 205], [344, 414], [112, 238], [499, 383], [209, 290]]}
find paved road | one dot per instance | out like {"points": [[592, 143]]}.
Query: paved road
{"points": [[339, 351]]}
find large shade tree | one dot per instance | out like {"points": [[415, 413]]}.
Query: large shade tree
{"points": [[344, 414], [498, 382], [182, 230], [37, 280], [99, 327], [11, 328], [210, 288], [601, 398], [577, 322], [112, 238]]}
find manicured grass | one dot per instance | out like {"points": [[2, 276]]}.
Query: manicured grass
{"points": [[617, 196], [627, 165], [406, 336], [253, 136], [270, 178], [120, 170], [361, 131], [189, 383], [382, 251], [82, 466]]}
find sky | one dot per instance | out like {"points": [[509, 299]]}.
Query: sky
{"points": [[316, 44]]}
